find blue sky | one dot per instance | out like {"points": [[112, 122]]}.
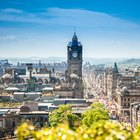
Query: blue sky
{"points": [[43, 28]]}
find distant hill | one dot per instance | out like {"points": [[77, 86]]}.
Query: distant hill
{"points": [[132, 61], [107, 61], [92, 61]]}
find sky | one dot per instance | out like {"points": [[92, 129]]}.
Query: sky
{"points": [[43, 28]]}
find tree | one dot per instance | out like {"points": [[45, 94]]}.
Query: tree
{"points": [[74, 121], [106, 130], [101, 130], [97, 105], [64, 115], [96, 113], [24, 131], [59, 115]]}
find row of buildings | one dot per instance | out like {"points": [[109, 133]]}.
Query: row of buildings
{"points": [[120, 84], [43, 88], [37, 112], [33, 77]]}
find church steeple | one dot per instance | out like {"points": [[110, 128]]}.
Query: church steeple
{"points": [[115, 69]]}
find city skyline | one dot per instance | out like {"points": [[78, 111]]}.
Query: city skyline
{"points": [[43, 28]]}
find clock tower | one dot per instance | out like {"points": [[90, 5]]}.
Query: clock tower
{"points": [[74, 68]]}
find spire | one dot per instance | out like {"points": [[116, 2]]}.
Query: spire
{"points": [[74, 39], [74, 29], [115, 69]]}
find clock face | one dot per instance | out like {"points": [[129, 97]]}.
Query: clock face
{"points": [[74, 55], [69, 49]]}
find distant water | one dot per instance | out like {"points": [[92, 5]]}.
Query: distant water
{"points": [[35, 60], [92, 61]]}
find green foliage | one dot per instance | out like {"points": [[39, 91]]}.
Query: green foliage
{"points": [[97, 105], [61, 132], [137, 133], [96, 113], [59, 115], [74, 121], [101, 130], [26, 130], [105, 130], [64, 114], [68, 127]]}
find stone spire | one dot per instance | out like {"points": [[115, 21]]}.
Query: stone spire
{"points": [[115, 69]]}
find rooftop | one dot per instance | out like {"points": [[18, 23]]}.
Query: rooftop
{"points": [[29, 93]]}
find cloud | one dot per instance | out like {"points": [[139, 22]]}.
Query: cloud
{"points": [[68, 17], [81, 17], [8, 38], [12, 10], [16, 15]]}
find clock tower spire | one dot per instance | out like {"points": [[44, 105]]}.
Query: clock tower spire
{"points": [[74, 68]]}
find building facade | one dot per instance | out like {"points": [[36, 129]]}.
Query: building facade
{"points": [[134, 114]]}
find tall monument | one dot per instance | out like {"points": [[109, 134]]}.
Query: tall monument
{"points": [[74, 68]]}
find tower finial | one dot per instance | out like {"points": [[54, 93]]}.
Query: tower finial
{"points": [[74, 30]]}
